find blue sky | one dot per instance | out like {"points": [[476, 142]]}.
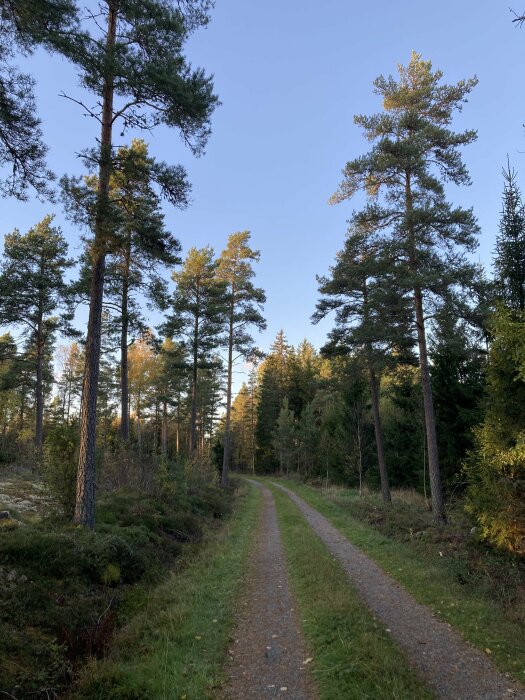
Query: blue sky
{"points": [[291, 74]]}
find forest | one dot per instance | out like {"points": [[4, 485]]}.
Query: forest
{"points": [[125, 430]]}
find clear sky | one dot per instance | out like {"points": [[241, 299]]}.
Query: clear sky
{"points": [[291, 74]]}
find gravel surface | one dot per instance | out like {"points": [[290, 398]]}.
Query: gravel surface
{"points": [[451, 667], [268, 653]]}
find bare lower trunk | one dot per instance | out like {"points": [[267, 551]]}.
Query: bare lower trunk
{"points": [[227, 430], [436, 491], [39, 427], [383, 473], [194, 379], [85, 496], [164, 435], [124, 384]]}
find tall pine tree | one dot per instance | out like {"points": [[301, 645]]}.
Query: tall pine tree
{"points": [[414, 153]]}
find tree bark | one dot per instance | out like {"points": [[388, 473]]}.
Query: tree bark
{"points": [[124, 383], [436, 490], [39, 428], [164, 437], [85, 495], [227, 429], [383, 473], [194, 379]]}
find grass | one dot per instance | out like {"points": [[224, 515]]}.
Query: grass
{"points": [[353, 656], [175, 648], [431, 565], [64, 591]]}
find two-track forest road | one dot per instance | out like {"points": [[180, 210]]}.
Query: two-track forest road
{"points": [[452, 668]]}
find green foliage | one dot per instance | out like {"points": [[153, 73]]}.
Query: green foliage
{"points": [[63, 588], [403, 426], [59, 468], [284, 437], [496, 468], [457, 381], [25, 25], [509, 258]]}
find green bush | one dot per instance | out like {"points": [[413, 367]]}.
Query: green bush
{"points": [[496, 468], [60, 465]]}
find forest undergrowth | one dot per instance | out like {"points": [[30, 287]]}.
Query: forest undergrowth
{"points": [[66, 591]]}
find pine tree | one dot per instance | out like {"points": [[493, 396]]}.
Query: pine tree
{"points": [[31, 290], [371, 316], [139, 75], [414, 154], [198, 317], [24, 25], [509, 258], [140, 244], [242, 303]]}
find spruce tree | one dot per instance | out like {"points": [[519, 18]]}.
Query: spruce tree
{"points": [[273, 387], [414, 153], [141, 79], [509, 257], [242, 303]]}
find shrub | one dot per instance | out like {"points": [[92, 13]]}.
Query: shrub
{"points": [[60, 465]]}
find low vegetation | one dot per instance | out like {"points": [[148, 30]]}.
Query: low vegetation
{"points": [[352, 655], [478, 590], [66, 590], [176, 646]]}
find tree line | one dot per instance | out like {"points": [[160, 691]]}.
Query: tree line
{"points": [[420, 381]]}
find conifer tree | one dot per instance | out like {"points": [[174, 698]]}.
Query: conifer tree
{"points": [[371, 316], [25, 24], [414, 153], [198, 317], [284, 437], [273, 387], [509, 258], [141, 78], [31, 290], [140, 244], [242, 303]]}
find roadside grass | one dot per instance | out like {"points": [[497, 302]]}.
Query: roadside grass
{"points": [[353, 655], [65, 591], [175, 647], [435, 566]]}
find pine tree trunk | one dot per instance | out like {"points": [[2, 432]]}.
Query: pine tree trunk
{"points": [[194, 378], [164, 437], [383, 473], [85, 495], [124, 382], [227, 429], [39, 429], [436, 491]]}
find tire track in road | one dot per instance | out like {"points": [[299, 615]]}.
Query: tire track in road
{"points": [[268, 652]]}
